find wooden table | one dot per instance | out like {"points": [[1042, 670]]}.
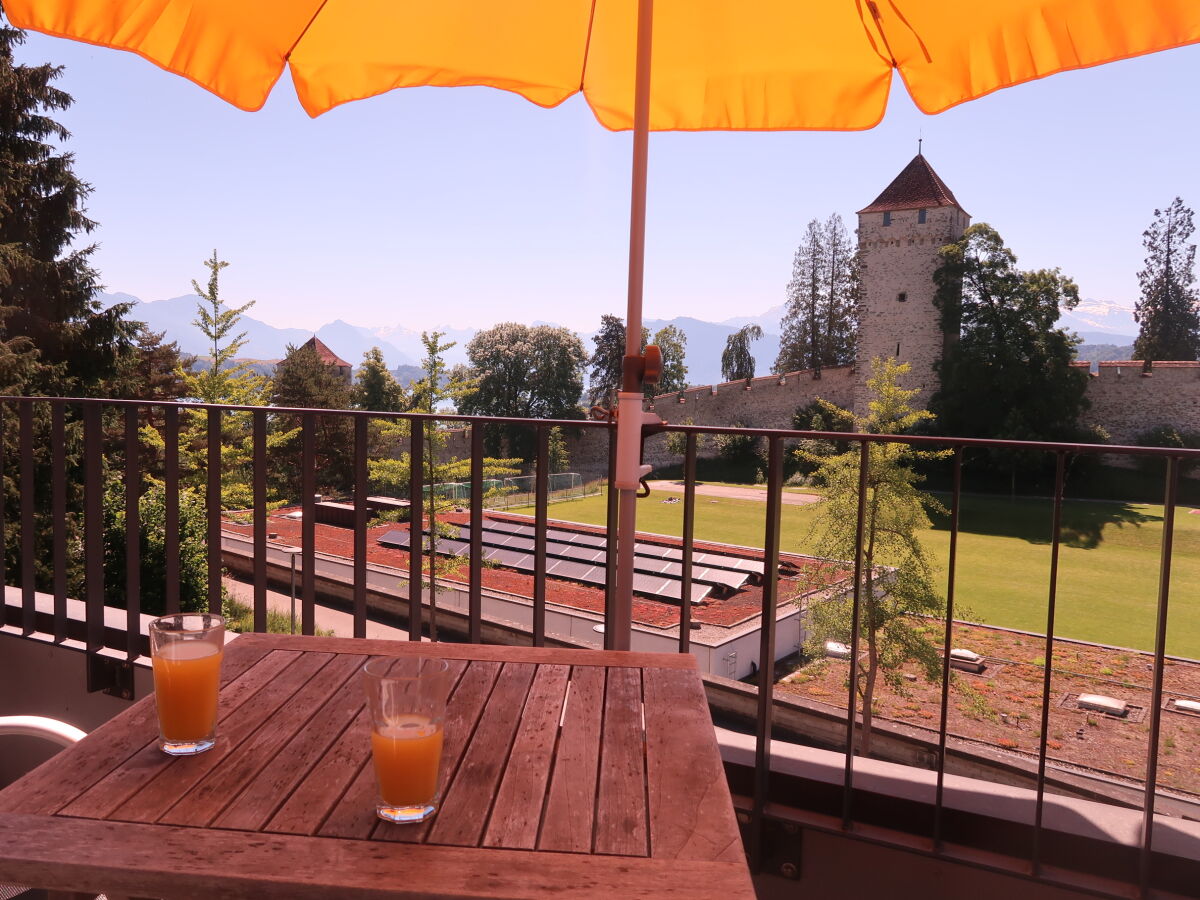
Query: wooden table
{"points": [[569, 772]]}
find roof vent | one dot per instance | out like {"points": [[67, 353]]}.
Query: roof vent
{"points": [[966, 660], [1191, 706], [1108, 705], [837, 650]]}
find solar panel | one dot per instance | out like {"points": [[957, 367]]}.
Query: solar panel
{"points": [[575, 570]]}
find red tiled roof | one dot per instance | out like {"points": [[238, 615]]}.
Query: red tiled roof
{"points": [[327, 356], [1157, 364], [916, 187]]}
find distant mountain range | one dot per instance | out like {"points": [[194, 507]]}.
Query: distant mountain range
{"points": [[401, 347], [1097, 322]]}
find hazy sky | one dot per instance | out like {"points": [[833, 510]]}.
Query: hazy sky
{"points": [[469, 206]]}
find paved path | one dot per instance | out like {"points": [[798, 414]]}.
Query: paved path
{"points": [[340, 623], [736, 493]]}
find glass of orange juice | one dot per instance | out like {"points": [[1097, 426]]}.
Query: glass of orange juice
{"points": [[186, 651], [406, 697]]}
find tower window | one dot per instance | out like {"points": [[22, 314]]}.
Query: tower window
{"points": [[901, 297], [921, 217], [887, 218]]}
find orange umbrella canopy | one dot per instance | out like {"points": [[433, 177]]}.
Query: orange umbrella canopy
{"points": [[717, 64]]}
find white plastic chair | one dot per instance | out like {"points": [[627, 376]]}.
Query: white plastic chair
{"points": [[41, 727], [38, 727]]}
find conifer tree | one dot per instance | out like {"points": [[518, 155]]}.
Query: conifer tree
{"points": [[376, 388], [305, 381], [605, 379], [47, 284], [1169, 309], [820, 324]]}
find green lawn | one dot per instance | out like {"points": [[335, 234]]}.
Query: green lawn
{"points": [[1108, 567]]}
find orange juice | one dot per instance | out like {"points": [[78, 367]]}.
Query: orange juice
{"points": [[407, 752], [186, 679]]}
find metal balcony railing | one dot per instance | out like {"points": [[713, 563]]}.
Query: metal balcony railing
{"points": [[66, 443]]}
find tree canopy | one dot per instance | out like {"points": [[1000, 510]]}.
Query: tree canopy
{"points": [[1006, 371], [820, 324], [1169, 309], [737, 362], [673, 344]]}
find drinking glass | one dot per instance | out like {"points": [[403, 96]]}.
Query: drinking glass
{"points": [[186, 651], [406, 697]]}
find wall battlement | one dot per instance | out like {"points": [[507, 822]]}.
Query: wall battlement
{"points": [[767, 401]]}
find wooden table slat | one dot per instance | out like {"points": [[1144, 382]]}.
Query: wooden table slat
{"points": [[495, 653], [468, 801], [198, 864], [689, 797], [621, 799], [517, 810], [99, 801], [570, 815], [462, 715], [67, 774], [180, 774], [274, 785], [206, 800]]}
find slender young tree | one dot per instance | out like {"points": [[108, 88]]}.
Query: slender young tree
{"points": [[897, 576], [1169, 309], [737, 362], [431, 394], [673, 344]]}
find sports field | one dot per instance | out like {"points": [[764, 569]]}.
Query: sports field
{"points": [[1108, 567]]}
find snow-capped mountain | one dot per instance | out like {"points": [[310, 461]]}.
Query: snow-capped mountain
{"points": [[1101, 321]]}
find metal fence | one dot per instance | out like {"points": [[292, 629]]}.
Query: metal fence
{"points": [[39, 431]]}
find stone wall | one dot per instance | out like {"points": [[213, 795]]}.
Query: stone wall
{"points": [[897, 316], [1125, 401]]}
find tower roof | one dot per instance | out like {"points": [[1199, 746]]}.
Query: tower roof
{"points": [[327, 356], [916, 187]]}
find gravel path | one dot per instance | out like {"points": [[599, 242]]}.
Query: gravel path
{"points": [[738, 493]]}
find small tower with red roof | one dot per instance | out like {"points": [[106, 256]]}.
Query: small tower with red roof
{"points": [[899, 235], [330, 358]]}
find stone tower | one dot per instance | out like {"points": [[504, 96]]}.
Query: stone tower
{"points": [[899, 236]]}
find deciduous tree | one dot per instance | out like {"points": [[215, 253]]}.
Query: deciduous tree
{"points": [[673, 344], [897, 576], [1169, 309], [524, 372], [737, 362], [1006, 371], [304, 380]]}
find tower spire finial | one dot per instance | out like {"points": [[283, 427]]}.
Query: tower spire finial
{"points": [[920, 141]]}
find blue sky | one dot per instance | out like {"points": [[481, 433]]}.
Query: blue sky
{"points": [[469, 206]]}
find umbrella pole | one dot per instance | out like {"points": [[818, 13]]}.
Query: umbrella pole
{"points": [[629, 418]]}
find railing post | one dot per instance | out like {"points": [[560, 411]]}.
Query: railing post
{"points": [[1170, 501], [361, 424], [689, 527], [259, 441], [475, 589], [133, 536], [864, 464], [766, 648], [541, 499], [308, 524], [947, 643], [214, 509], [58, 505], [171, 512], [416, 525]]}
